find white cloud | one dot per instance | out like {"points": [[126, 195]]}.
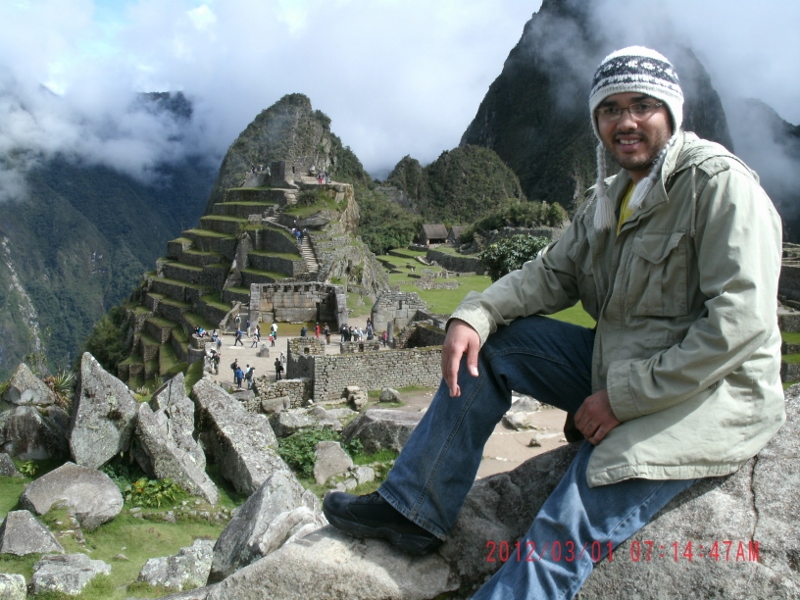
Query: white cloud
{"points": [[396, 77]]}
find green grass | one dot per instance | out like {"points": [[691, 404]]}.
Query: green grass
{"points": [[575, 315], [790, 337], [354, 308], [10, 489], [791, 359]]}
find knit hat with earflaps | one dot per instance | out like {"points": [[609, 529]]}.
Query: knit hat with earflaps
{"points": [[642, 70]]}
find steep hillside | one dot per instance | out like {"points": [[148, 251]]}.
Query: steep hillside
{"points": [[459, 186], [289, 129], [76, 245], [535, 113]]}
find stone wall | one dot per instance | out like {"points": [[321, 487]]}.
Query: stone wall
{"points": [[398, 307], [458, 263], [421, 335], [297, 390], [789, 282], [374, 370], [300, 303]]}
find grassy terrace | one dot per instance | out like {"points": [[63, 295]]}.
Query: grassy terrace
{"points": [[214, 300], [161, 321], [209, 233], [287, 255], [272, 274]]}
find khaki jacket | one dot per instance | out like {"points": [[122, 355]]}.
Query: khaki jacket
{"points": [[685, 297]]}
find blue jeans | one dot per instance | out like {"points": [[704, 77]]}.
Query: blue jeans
{"points": [[550, 361]]}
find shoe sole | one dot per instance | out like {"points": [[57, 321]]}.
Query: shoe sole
{"points": [[407, 542]]}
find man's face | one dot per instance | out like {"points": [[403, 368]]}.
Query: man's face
{"points": [[634, 141]]}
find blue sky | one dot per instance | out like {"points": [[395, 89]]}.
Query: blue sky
{"points": [[396, 77]]}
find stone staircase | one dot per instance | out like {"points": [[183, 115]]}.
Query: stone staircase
{"points": [[307, 252]]}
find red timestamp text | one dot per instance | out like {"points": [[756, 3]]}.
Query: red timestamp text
{"points": [[556, 551], [676, 551]]}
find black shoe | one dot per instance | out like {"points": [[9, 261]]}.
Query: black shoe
{"points": [[371, 516]]}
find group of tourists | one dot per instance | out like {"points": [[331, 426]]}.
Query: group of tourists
{"points": [[242, 375]]}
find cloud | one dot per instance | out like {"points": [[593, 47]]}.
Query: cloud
{"points": [[396, 77]]}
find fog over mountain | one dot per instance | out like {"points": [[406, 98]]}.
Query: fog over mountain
{"points": [[396, 78]]}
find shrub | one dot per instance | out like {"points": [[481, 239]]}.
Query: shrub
{"points": [[153, 493], [511, 253], [298, 449]]}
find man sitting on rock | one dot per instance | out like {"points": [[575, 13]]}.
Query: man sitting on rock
{"points": [[677, 258]]}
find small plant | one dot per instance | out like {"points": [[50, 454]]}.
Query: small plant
{"points": [[153, 493], [28, 468], [61, 385]]}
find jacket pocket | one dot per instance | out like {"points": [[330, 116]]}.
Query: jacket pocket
{"points": [[658, 276]]}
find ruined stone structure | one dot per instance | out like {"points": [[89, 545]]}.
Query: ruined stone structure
{"points": [[398, 308], [295, 302]]}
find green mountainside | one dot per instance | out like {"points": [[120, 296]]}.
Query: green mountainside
{"points": [[78, 244], [459, 186]]}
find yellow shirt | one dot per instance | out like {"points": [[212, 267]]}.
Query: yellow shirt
{"points": [[625, 212]]}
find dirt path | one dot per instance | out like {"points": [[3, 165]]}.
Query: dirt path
{"points": [[505, 450]]}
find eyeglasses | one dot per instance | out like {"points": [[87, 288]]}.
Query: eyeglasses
{"points": [[638, 110]]}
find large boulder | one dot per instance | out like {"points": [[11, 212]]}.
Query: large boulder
{"points": [[66, 573], [263, 523], [242, 443], [25, 389], [35, 432], [187, 569], [330, 565], [288, 422], [165, 460], [12, 587], [178, 408], [89, 494], [21, 533], [104, 416], [754, 508], [380, 428]]}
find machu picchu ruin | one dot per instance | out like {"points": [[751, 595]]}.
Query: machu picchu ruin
{"points": [[286, 221]]}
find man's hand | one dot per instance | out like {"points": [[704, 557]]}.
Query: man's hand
{"points": [[461, 339], [594, 418]]}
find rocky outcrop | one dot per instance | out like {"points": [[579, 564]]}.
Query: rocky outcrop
{"points": [[380, 429], [751, 514], [165, 460], [89, 494], [242, 443], [104, 416], [25, 389], [329, 565], [279, 510], [34, 432], [21, 534], [187, 569], [66, 573]]}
